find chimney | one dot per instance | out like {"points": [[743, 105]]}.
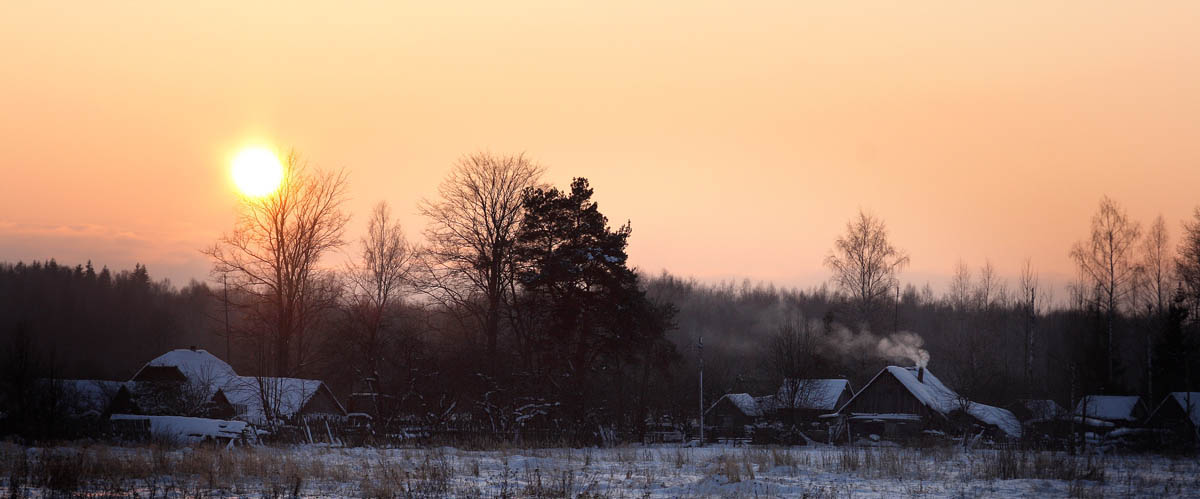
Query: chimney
{"points": [[920, 374], [192, 348]]}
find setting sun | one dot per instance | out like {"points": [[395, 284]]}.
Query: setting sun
{"points": [[257, 171]]}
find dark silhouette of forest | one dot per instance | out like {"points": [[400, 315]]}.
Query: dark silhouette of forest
{"points": [[547, 324]]}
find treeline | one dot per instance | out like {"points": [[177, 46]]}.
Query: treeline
{"points": [[520, 310], [98, 324]]}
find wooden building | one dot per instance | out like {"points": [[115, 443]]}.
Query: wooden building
{"points": [[1110, 411], [907, 402], [731, 413], [806, 400], [1179, 414], [193, 382]]}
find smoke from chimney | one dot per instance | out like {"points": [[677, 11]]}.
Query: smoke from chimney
{"points": [[904, 346]]}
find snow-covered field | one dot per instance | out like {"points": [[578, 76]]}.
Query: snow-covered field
{"points": [[636, 471]]}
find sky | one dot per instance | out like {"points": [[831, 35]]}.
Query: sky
{"points": [[737, 137]]}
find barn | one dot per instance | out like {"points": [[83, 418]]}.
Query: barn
{"points": [[905, 402]]}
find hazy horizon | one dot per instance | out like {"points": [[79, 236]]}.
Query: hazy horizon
{"points": [[737, 139]]}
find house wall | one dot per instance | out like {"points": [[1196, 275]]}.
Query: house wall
{"points": [[321, 402], [1170, 416], [886, 396], [727, 415]]}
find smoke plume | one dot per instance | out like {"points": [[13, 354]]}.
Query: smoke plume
{"points": [[904, 346]]}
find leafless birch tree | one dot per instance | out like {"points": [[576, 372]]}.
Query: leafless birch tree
{"points": [[1108, 260], [272, 260], [864, 263], [378, 278]]}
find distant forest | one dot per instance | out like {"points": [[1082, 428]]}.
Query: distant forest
{"points": [[546, 320]]}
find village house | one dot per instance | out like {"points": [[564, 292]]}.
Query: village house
{"points": [[193, 382], [796, 402], [805, 400], [731, 413], [1105, 412], [907, 402]]}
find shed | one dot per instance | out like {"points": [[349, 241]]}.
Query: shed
{"points": [[1118, 410]]}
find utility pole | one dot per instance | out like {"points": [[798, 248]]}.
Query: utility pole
{"points": [[700, 348], [228, 349]]}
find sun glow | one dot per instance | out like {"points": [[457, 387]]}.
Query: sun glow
{"points": [[257, 171]]}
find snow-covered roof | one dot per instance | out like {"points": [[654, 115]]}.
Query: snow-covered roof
{"points": [[198, 366], [1109, 407], [743, 401], [766, 403], [285, 397], [188, 429], [931, 392], [819, 394]]}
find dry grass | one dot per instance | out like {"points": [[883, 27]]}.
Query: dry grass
{"points": [[156, 470]]}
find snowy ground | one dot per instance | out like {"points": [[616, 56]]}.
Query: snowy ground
{"points": [[659, 471]]}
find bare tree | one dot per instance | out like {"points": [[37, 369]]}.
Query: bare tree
{"points": [[272, 260], [960, 288], [1156, 274], [1156, 265], [1029, 307], [1187, 261], [471, 234], [1107, 259], [378, 278], [865, 263]]}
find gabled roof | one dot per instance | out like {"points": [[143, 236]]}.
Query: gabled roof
{"points": [[285, 397], [198, 366], [743, 401], [818, 394], [1110, 407], [940, 399], [1188, 402]]}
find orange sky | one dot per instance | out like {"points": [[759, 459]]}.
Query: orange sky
{"points": [[738, 136]]}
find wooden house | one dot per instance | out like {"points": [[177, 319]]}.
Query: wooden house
{"points": [[805, 400], [731, 413], [905, 402], [193, 382]]}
